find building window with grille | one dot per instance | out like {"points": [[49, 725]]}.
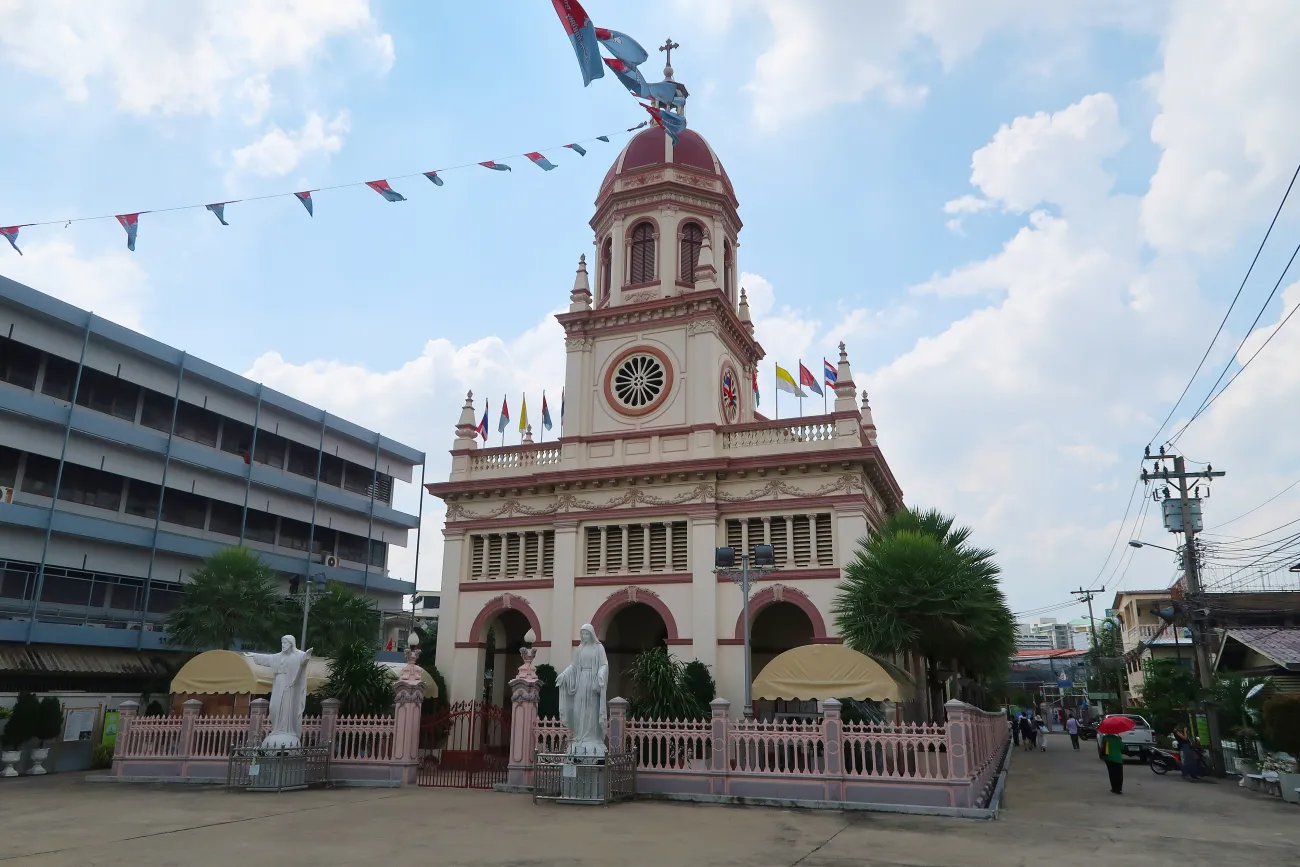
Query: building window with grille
{"points": [[635, 549], [643, 254], [512, 556], [689, 254]]}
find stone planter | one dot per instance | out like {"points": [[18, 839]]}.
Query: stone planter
{"points": [[39, 755], [10, 758], [1290, 784]]}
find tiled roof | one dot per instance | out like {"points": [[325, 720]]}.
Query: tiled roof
{"points": [[1282, 645], [1045, 654], [60, 659]]}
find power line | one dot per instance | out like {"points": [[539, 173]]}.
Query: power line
{"points": [[1224, 321], [1212, 396], [1119, 531], [1260, 506]]}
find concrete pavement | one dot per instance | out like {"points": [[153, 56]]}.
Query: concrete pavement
{"points": [[1058, 811]]}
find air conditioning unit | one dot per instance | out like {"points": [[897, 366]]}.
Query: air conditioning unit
{"points": [[331, 561]]}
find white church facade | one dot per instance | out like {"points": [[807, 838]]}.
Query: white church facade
{"points": [[663, 457]]}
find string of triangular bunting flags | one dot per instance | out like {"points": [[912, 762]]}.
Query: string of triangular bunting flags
{"points": [[130, 222]]}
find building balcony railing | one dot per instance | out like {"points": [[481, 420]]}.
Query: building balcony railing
{"points": [[816, 432], [516, 457]]}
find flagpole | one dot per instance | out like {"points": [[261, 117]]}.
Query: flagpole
{"points": [[800, 388], [504, 398], [824, 387], [542, 427], [776, 392]]}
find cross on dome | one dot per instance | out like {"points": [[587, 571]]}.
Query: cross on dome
{"points": [[667, 48]]}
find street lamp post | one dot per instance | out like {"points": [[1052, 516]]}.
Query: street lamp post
{"points": [[318, 579], [724, 560]]}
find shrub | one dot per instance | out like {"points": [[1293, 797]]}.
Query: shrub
{"points": [[361, 684], [548, 701], [101, 757], [699, 683], [1282, 723], [49, 721], [23, 722]]}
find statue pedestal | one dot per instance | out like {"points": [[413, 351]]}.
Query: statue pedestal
{"points": [[281, 741]]}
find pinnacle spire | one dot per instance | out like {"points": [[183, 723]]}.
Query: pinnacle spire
{"points": [[580, 296]]}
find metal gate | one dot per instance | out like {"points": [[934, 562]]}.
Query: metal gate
{"points": [[465, 746]]}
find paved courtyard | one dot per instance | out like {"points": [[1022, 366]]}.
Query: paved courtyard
{"points": [[1058, 811]]}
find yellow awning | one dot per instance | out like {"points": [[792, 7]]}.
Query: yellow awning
{"points": [[224, 672], [822, 671]]}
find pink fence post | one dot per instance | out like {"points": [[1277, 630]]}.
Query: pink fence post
{"points": [[833, 737], [718, 765], [960, 768], [185, 743], [618, 724], [329, 720], [524, 694], [257, 711], [127, 711], [406, 737]]}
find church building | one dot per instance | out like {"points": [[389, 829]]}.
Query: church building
{"points": [[663, 457]]}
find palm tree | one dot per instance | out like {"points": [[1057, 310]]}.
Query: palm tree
{"points": [[361, 684], [918, 586], [231, 596], [338, 617]]}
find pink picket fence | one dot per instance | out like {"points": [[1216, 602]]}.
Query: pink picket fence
{"points": [[364, 739], [944, 765], [152, 736]]}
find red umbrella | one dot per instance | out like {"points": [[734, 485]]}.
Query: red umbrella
{"points": [[1115, 725]]}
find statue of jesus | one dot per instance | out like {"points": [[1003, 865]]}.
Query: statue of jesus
{"points": [[582, 696], [288, 692]]}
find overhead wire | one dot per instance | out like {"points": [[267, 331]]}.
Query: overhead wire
{"points": [[1235, 298], [1257, 508]]}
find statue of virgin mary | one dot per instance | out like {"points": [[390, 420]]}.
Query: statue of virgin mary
{"points": [[582, 696], [288, 693]]}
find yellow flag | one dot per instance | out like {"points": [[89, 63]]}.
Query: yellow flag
{"points": [[785, 382], [523, 415]]}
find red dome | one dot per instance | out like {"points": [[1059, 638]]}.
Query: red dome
{"points": [[652, 148]]}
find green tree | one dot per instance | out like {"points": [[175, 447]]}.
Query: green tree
{"points": [[1282, 723], [338, 617], [1169, 693], [231, 596], [1230, 693], [49, 722], [548, 699], [22, 722], [659, 689], [919, 586], [699, 683], [361, 684]]}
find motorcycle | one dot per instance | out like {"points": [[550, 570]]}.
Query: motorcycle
{"points": [[1087, 731], [1163, 761]]}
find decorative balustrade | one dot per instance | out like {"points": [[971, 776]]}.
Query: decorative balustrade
{"points": [[897, 752], [779, 433], [152, 736], [669, 745], [779, 747], [364, 739], [515, 458], [213, 736], [550, 736]]}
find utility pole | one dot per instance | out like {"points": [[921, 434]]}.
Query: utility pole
{"points": [[1086, 596], [1191, 575]]}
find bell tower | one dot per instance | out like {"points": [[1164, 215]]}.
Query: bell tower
{"points": [[659, 335]]}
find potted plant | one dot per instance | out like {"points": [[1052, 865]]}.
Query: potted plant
{"points": [[1281, 715], [48, 724], [16, 732]]}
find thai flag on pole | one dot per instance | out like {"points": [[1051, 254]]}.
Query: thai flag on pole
{"points": [[11, 235], [433, 176], [806, 378], [830, 374], [305, 198], [505, 416], [130, 222], [219, 210], [482, 425], [540, 161], [582, 151], [546, 413], [386, 191], [495, 166], [582, 36]]}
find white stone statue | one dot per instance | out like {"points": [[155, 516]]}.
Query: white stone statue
{"points": [[288, 693], [583, 708]]}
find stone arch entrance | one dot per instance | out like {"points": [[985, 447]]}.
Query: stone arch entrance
{"points": [[631, 621], [781, 618], [499, 631]]}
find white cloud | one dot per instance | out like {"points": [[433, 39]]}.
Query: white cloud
{"points": [[419, 403], [176, 58], [966, 204], [828, 52], [278, 152], [111, 285], [1228, 128], [256, 93]]}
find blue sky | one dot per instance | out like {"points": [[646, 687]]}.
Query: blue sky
{"points": [[1024, 223]]}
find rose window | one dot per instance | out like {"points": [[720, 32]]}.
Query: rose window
{"points": [[638, 381]]}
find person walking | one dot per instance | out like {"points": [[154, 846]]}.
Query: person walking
{"points": [[1015, 728], [1112, 753], [1072, 726], [1027, 733], [1042, 733], [1190, 761]]}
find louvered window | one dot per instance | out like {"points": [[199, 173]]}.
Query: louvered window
{"points": [[548, 554], [802, 540], [726, 269], [494, 556], [476, 557], [512, 553], [689, 256], [530, 553], [780, 540], [636, 548], [593, 550], [643, 254], [679, 544], [825, 546], [755, 533], [613, 548], [658, 547], [735, 534]]}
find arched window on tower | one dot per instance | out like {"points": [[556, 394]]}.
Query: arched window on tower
{"points": [[606, 269], [643, 254], [689, 256], [726, 271]]}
